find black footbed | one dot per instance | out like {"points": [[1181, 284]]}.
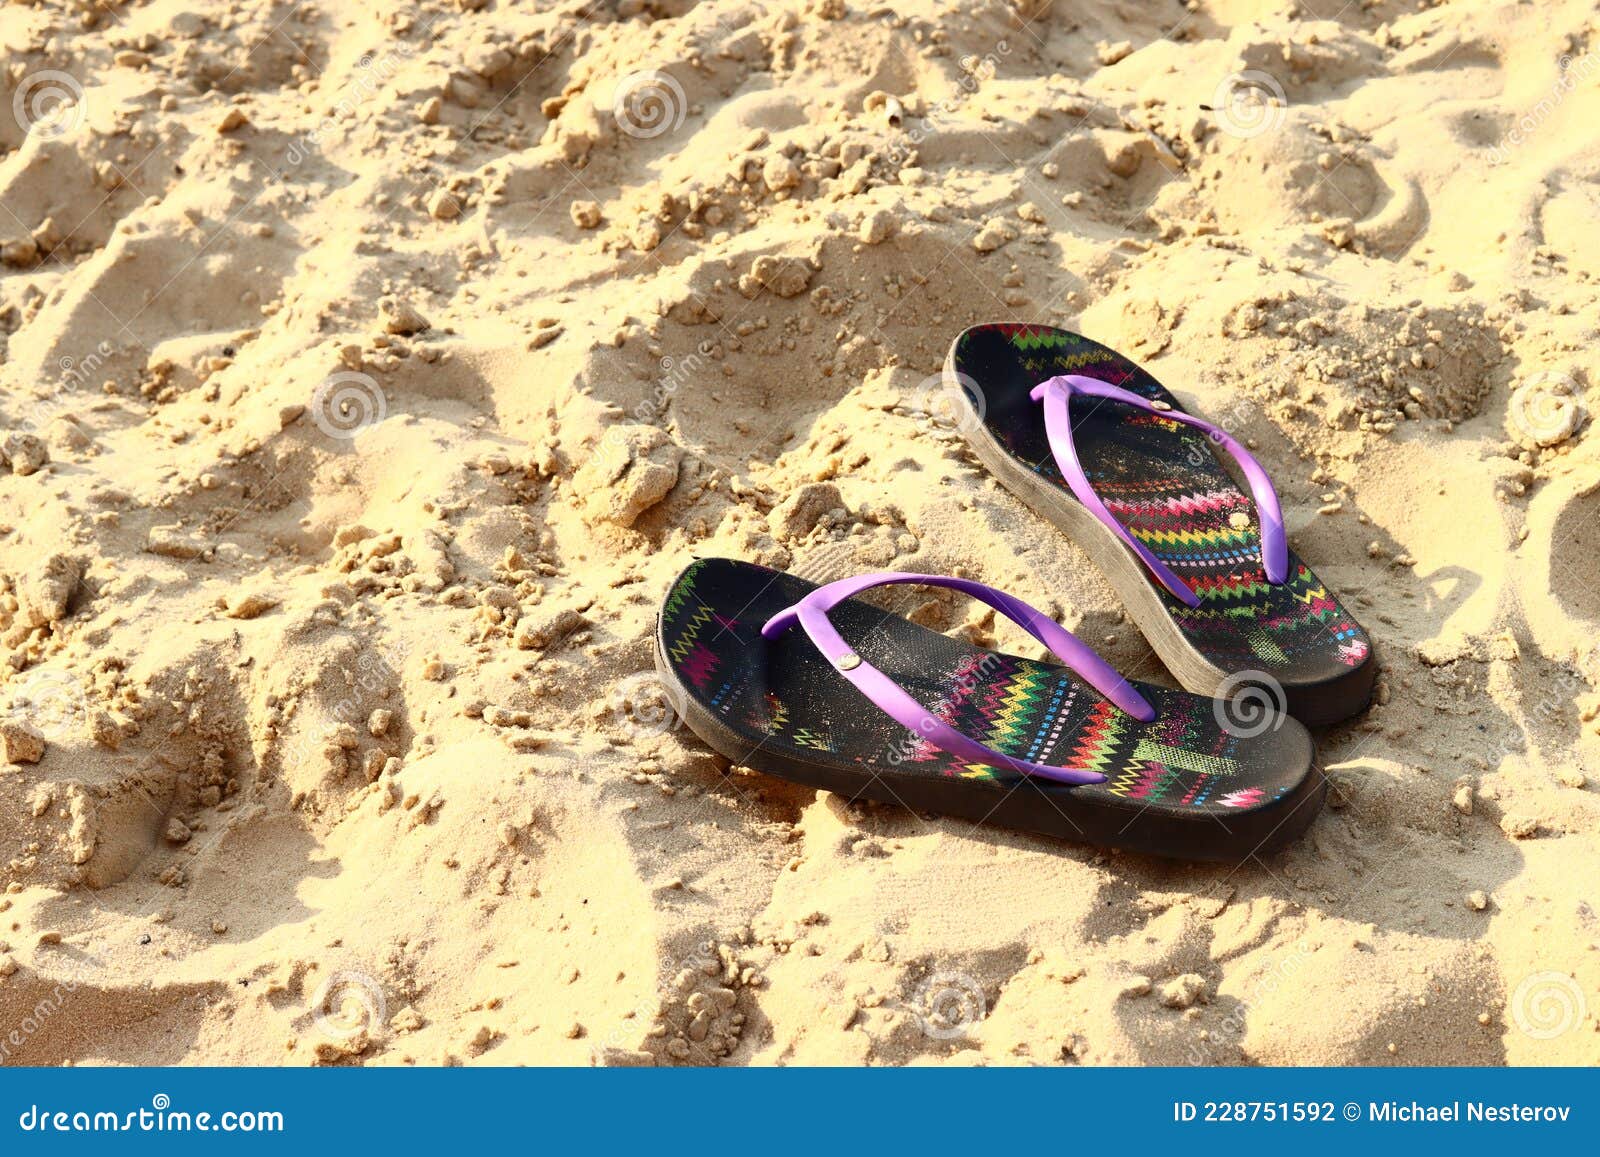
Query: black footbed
{"points": [[1181, 786], [1167, 487]]}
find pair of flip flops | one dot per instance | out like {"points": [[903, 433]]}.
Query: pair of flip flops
{"points": [[814, 684]]}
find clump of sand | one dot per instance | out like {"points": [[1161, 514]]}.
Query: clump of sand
{"points": [[366, 376]]}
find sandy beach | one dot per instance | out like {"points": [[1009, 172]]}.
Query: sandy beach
{"points": [[368, 372]]}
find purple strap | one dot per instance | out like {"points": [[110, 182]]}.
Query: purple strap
{"points": [[811, 613], [1057, 393]]}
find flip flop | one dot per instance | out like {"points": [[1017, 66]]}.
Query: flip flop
{"points": [[811, 684], [1096, 445]]}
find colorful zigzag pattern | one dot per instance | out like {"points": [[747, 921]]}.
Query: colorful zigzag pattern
{"points": [[1025, 708], [1190, 514]]}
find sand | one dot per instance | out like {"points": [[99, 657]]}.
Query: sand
{"points": [[367, 372]]}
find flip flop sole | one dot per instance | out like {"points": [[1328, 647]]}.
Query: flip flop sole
{"points": [[755, 738], [1316, 702]]}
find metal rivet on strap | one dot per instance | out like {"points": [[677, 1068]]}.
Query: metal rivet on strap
{"points": [[1158, 404], [1239, 520], [848, 662]]}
